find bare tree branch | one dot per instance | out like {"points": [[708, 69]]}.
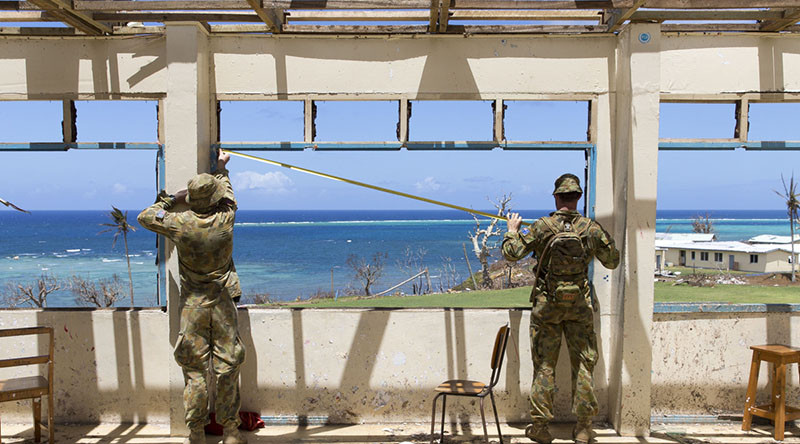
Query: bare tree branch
{"points": [[483, 238], [367, 272], [32, 294]]}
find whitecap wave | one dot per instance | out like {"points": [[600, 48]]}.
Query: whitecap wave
{"points": [[111, 260], [73, 250]]}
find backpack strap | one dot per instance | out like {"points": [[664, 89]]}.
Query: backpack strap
{"points": [[552, 226]]}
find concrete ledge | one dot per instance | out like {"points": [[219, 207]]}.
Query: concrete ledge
{"points": [[720, 307]]}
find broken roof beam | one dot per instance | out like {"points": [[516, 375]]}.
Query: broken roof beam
{"points": [[78, 20], [790, 17], [189, 5], [698, 15], [721, 4], [272, 17], [618, 17], [340, 15], [168, 16]]}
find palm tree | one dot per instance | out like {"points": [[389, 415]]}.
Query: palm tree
{"points": [[792, 198], [120, 226]]}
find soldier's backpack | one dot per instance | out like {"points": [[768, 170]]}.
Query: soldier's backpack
{"points": [[564, 258]]}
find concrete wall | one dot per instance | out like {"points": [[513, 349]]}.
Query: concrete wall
{"points": [[701, 359], [380, 365]]}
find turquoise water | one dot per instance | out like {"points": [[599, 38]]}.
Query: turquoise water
{"points": [[285, 253]]}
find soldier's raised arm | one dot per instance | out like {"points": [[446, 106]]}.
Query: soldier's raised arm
{"points": [[603, 246], [516, 244], [157, 217], [222, 175]]}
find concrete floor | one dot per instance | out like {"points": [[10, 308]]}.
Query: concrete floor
{"points": [[402, 433]]}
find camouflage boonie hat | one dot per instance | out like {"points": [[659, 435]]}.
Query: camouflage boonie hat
{"points": [[568, 183], [204, 191]]}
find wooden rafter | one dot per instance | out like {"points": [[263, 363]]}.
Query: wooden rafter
{"points": [[618, 17], [423, 16], [272, 18], [434, 15], [444, 15], [790, 17], [689, 14], [65, 13], [23, 16]]}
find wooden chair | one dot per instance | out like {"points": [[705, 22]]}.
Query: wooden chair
{"points": [[776, 410], [463, 387], [31, 387]]}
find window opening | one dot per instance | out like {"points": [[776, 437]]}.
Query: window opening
{"points": [[254, 121], [356, 120], [528, 120], [456, 120], [697, 120], [17, 124]]}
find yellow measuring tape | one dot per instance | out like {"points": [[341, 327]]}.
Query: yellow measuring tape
{"points": [[366, 185]]}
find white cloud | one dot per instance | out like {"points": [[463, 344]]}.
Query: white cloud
{"points": [[428, 184], [272, 182], [119, 188]]}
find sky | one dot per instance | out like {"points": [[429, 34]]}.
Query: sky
{"points": [[98, 179]]}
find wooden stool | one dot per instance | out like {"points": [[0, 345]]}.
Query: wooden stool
{"points": [[776, 410]]}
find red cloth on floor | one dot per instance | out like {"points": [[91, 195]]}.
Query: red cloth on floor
{"points": [[250, 422]]}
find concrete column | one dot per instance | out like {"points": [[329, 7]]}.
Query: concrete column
{"points": [[635, 172], [189, 124]]}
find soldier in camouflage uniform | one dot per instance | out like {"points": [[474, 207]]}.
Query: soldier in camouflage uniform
{"points": [[556, 310], [209, 287]]}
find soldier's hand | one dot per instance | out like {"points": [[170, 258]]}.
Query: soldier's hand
{"points": [[514, 222], [180, 196], [222, 159]]}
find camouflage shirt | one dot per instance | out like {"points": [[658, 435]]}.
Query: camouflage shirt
{"points": [[533, 239], [205, 245]]}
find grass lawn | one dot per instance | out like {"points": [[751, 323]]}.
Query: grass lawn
{"points": [[736, 294], [515, 297], [518, 297]]}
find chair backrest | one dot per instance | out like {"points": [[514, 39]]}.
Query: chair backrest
{"points": [[498, 353], [30, 360]]}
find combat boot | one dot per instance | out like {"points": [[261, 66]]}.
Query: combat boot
{"points": [[196, 436], [538, 432], [232, 435], [582, 433]]}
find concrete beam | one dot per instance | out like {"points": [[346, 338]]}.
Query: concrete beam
{"points": [[189, 125], [636, 172]]}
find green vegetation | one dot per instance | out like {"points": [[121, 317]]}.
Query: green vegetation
{"points": [[514, 297], [518, 297], [735, 294]]}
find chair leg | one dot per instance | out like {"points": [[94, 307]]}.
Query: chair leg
{"points": [[36, 404], [51, 425], [752, 385], [433, 417], [483, 421], [779, 400], [444, 405], [496, 418]]}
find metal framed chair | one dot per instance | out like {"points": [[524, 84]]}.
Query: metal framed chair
{"points": [[463, 387], [31, 387]]}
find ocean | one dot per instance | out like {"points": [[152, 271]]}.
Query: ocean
{"points": [[289, 254]]}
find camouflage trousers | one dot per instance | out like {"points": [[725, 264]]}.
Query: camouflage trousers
{"points": [[210, 333], [549, 320]]}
